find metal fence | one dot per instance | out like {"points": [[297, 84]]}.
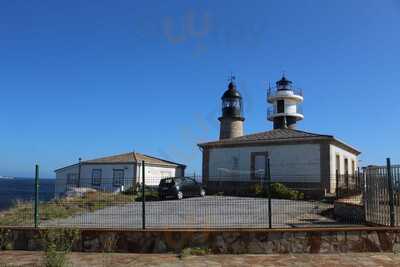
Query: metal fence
{"points": [[376, 189], [265, 201], [382, 195]]}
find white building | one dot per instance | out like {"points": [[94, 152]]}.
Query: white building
{"points": [[116, 172], [301, 160]]}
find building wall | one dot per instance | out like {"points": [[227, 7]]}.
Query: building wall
{"points": [[292, 163], [107, 176], [231, 128], [155, 173], [343, 154], [132, 175], [61, 178]]}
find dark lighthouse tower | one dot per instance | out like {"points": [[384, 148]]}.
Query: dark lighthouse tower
{"points": [[285, 100], [232, 113]]}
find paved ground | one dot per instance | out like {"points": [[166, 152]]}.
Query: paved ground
{"points": [[211, 211], [22, 258]]}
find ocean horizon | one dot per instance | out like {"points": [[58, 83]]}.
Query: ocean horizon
{"points": [[23, 189]]}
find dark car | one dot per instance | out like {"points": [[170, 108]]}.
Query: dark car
{"points": [[179, 188]]}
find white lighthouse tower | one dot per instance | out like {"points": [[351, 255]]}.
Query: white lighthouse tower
{"points": [[286, 110]]}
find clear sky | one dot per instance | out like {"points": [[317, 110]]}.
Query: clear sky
{"points": [[95, 78]]}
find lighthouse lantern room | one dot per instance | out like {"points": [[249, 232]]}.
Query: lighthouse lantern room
{"points": [[285, 99], [232, 112]]}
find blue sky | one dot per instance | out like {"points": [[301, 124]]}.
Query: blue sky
{"points": [[93, 78]]}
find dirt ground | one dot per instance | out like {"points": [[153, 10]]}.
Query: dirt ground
{"points": [[25, 258]]}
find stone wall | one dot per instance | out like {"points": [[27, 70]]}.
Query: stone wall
{"points": [[232, 241]]}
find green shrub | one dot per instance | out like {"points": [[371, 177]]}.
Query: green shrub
{"points": [[149, 195], [133, 190], [195, 251], [54, 258], [278, 191], [57, 243], [5, 239]]}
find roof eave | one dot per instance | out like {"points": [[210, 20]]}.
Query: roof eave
{"points": [[288, 140], [262, 142], [349, 147]]}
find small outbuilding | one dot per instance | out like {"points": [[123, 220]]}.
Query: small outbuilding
{"points": [[116, 173]]}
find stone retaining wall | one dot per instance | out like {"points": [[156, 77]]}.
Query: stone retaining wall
{"points": [[230, 241]]}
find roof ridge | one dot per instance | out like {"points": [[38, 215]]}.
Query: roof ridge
{"points": [[300, 131], [172, 162], [107, 157]]}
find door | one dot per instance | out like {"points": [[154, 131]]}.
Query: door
{"points": [[258, 165]]}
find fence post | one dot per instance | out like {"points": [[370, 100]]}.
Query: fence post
{"points": [[36, 214], [365, 193], [337, 184], [268, 178], [143, 196], [391, 193]]}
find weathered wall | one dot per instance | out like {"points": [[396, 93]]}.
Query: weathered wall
{"points": [[231, 128], [132, 175], [297, 163], [343, 154], [155, 173], [234, 241], [61, 178], [86, 176], [107, 175]]}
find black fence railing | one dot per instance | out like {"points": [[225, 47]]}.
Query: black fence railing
{"points": [[349, 185], [238, 200]]}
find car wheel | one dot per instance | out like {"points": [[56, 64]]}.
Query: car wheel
{"points": [[202, 192], [179, 195]]}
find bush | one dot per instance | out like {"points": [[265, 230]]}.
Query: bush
{"points": [[150, 196], [196, 251], [57, 244], [278, 191], [133, 190]]}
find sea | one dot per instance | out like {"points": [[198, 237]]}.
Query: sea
{"points": [[23, 189]]}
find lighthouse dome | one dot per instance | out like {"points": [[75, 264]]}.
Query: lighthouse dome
{"points": [[232, 92]]}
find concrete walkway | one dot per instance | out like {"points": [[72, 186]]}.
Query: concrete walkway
{"points": [[22, 258]]}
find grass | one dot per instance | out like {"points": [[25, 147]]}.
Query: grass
{"points": [[22, 213]]}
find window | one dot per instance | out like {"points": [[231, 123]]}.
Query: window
{"points": [[280, 106], [258, 163], [118, 177], [346, 166], [72, 179], [96, 177]]}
